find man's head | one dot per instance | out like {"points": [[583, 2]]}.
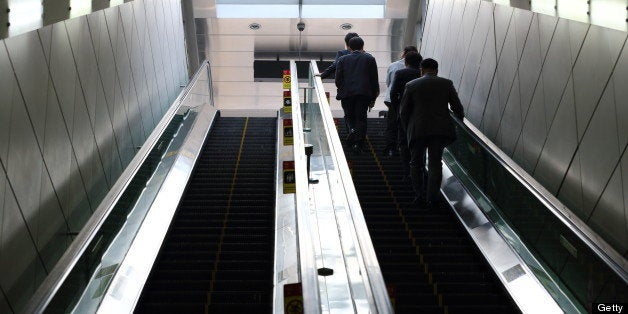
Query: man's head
{"points": [[356, 43], [408, 49], [413, 60], [349, 36], [429, 66]]}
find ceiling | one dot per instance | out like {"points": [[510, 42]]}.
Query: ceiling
{"points": [[231, 46]]}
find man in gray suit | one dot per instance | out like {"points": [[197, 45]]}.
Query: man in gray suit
{"points": [[425, 116]]}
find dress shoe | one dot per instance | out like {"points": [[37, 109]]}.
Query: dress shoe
{"points": [[356, 149], [351, 137]]}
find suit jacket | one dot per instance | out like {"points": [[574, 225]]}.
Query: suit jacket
{"points": [[402, 77], [424, 112], [356, 75], [332, 68]]}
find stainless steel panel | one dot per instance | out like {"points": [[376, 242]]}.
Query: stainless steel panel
{"points": [[88, 156], [444, 23], [452, 35], [534, 132], [123, 69], [4, 304], [475, 53], [463, 41], [483, 82], [431, 27], [617, 83], [93, 91], [24, 164], [156, 50], [599, 151], [530, 64], [522, 23], [624, 169], [138, 77], [591, 72], [560, 59], [560, 145], [511, 122], [63, 73], [8, 91], [158, 11], [570, 192], [21, 267], [45, 35], [27, 58], [172, 42], [52, 230], [608, 219], [502, 16]]}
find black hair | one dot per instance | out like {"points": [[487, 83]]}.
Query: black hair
{"points": [[413, 59], [429, 64], [409, 49], [356, 43], [349, 36]]}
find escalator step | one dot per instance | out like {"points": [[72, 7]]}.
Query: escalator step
{"points": [[223, 232]]}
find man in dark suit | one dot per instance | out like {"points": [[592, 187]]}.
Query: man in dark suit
{"points": [[429, 127], [358, 86], [403, 76], [332, 68]]}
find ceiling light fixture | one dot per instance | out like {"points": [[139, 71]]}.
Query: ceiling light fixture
{"points": [[255, 26], [346, 26]]}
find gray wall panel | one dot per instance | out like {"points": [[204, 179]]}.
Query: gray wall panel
{"points": [[533, 134], [502, 16], [443, 30], [76, 97], [618, 84], [464, 40], [4, 305], [591, 72], [29, 64], [624, 170], [8, 91], [474, 54], [19, 261], [483, 82], [560, 145], [609, 217], [431, 26], [511, 122], [446, 58], [599, 151], [559, 62]]}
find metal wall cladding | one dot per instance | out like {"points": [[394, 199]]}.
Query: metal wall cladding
{"points": [[76, 99], [548, 91]]}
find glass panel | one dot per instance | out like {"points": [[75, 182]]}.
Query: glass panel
{"points": [[609, 13], [574, 10], [583, 276]]}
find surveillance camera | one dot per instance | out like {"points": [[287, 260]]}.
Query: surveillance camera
{"points": [[300, 26]]}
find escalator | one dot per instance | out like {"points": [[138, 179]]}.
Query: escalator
{"points": [[218, 254], [428, 260]]}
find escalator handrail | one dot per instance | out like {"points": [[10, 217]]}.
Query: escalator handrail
{"points": [[590, 238], [57, 276], [307, 261], [375, 280]]}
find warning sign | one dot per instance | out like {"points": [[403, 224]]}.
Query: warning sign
{"points": [[289, 182], [293, 298], [286, 79], [287, 101], [288, 135]]}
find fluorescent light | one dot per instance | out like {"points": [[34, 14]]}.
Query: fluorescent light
{"points": [[257, 11], [343, 11]]}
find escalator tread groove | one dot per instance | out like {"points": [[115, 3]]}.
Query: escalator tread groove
{"points": [[427, 258], [222, 234]]}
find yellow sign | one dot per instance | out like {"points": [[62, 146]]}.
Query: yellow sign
{"points": [[293, 298], [289, 180], [287, 101], [288, 135], [286, 79]]}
